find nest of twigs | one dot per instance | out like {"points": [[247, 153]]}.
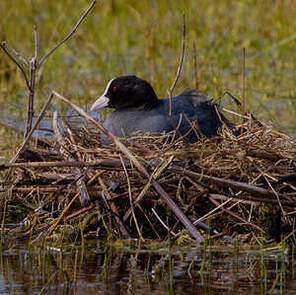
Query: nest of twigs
{"points": [[224, 186]]}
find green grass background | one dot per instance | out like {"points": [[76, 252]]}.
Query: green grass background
{"points": [[144, 38]]}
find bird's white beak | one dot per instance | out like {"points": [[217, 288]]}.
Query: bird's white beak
{"points": [[101, 102]]}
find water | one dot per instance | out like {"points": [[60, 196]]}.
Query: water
{"points": [[45, 129], [99, 268]]}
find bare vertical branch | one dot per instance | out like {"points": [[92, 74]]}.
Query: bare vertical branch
{"points": [[30, 112], [244, 106], [84, 15], [36, 39], [179, 66]]}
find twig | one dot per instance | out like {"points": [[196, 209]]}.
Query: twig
{"points": [[170, 92], [258, 191], [36, 39], [114, 209], [156, 175], [256, 200], [277, 195], [53, 188], [61, 216], [212, 211], [80, 211], [150, 223], [244, 104], [40, 116], [84, 15], [162, 223], [183, 218], [235, 99], [102, 164], [17, 54], [30, 114], [181, 57], [3, 46], [263, 155], [242, 201], [39, 153], [83, 196], [28, 136], [234, 214], [131, 200], [263, 173]]}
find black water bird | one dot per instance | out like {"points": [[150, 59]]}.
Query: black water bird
{"points": [[137, 107]]}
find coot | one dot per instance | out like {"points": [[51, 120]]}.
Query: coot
{"points": [[138, 108]]}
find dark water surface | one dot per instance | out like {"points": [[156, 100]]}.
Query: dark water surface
{"points": [[98, 268]]}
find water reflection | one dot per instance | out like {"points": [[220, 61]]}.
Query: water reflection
{"points": [[101, 269]]}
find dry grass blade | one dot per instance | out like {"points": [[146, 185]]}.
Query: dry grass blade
{"points": [[131, 201]]}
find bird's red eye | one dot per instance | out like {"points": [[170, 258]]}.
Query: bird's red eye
{"points": [[114, 89]]}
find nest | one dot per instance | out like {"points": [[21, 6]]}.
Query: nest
{"points": [[225, 186]]}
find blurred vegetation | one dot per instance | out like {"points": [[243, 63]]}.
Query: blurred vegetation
{"points": [[144, 38]]}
